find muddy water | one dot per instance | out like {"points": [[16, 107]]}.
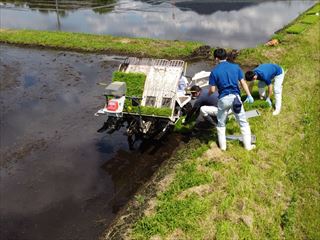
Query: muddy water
{"points": [[59, 178]]}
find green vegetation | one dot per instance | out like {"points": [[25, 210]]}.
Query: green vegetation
{"points": [[310, 19], [269, 193], [151, 111], [100, 43], [259, 104], [174, 207], [135, 85], [314, 10], [134, 82], [302, 22], [180, 128], [296, 28]]}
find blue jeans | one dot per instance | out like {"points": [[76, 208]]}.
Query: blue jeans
{"points": [[224, 105]]}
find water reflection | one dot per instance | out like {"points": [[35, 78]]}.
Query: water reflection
{"points": [[52, 185], [234, 24]]}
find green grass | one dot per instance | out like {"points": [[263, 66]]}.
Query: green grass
{"points": [[278, 36], [310, 19], [296, 28], [300, 24], [314, 10], [100, 43], [179, 212], [269, 193], [172, 215]]}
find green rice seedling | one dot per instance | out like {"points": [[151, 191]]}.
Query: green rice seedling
{"points": [[181, 128], [150, 111], [135, 85], [135, 82], [257, 104]]}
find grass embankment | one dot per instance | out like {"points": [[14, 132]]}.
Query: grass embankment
{"points": [[141, 47], [272, 192]]}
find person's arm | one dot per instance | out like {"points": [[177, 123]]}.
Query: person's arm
{"points": [[246, 89]]}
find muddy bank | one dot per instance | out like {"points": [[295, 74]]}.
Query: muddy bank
{"points": [[59, 178]]}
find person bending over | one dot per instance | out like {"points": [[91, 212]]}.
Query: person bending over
{"points": [[266, 73]]}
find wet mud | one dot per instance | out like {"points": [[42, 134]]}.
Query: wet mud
{"points": [[60, 179]]}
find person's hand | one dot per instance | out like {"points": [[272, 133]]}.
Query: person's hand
{"points": [[249, 99], [269, 102]]}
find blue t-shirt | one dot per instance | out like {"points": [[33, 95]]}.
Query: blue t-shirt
{"points": [[267, 71], [226, 76]]}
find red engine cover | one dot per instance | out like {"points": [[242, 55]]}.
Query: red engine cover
{"points": [[112, 105]]}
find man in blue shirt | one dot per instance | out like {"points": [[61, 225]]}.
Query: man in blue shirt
{"points": [[265, 73], [225, 77]]}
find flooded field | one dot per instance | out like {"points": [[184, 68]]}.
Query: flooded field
{"points": [[60, 179], [236, 24]]}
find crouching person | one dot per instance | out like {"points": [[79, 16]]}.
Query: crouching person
{"points": [[225, 77], [265, 73], [205, 105]]}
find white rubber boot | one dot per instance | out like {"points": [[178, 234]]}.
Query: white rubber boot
{"points": [[222, 138], [246, 134]]}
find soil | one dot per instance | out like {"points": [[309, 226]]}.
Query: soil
{"points": [[60, 179]]}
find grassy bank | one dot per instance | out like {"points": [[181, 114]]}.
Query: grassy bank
{"points": [[272, 192], [141, 47]]}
